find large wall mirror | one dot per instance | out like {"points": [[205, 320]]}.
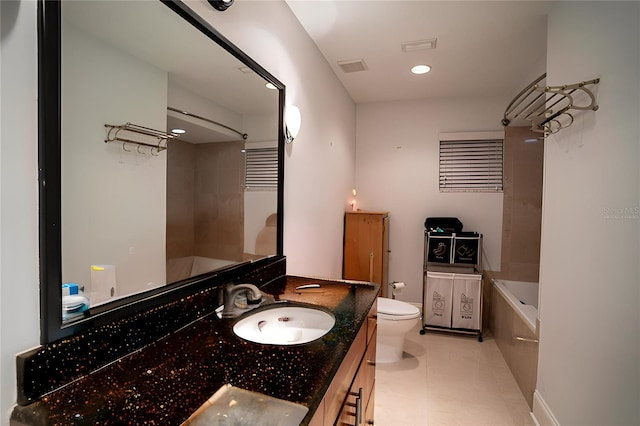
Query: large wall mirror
{"points": [[161, 156]]}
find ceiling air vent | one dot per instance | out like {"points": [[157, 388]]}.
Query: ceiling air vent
{"points": [[412, 46], [356, 65]]}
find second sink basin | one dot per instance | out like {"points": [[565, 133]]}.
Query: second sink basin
{"points": [[285, 324]]}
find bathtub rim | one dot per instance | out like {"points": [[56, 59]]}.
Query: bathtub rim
{"points": [[515, 304]]}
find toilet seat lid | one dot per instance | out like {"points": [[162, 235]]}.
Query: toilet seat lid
{"points": [[394, 307]]}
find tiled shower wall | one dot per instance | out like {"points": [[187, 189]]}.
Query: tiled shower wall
{"points": [[181, 172], [205, 200], [522, 211]]}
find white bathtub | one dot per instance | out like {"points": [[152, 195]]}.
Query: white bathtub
{"points": [[523, 298], [181, 268]]}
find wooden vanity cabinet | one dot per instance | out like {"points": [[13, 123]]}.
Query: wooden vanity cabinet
{"points": [[366, 247], [358, 407], [351, 395]]}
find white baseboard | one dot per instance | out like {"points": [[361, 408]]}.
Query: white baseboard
{"points": [[542, 414], [533, 418]]}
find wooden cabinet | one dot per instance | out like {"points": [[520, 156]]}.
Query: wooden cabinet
{"points": [[366, 247], [351, 395], [358, 407]]}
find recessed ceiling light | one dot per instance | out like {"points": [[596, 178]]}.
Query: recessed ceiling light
{"points": [[270, 86], [178, 131], [421, 69]]}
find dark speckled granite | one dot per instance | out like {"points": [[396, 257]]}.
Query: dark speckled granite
{"points": [[169, 379], [52, 366]]}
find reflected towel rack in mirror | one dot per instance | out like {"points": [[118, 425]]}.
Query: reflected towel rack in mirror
{"points": [[548, 108], [156, 139]]}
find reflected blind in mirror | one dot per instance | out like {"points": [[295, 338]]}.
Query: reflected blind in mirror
{"points": [[261, 168]]}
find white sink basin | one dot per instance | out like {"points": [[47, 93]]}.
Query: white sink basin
{"points": [[289, 324]]}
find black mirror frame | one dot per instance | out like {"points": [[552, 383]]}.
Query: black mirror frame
{"points": [[49, 180]]}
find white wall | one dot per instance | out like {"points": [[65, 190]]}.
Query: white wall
{"points": [[112, 197], [19, 291], [397, 171], [258, 205], [319, 164], [183, 99], [589, 360]]}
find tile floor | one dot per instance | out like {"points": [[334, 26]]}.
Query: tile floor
{"points": [[448, 379]]}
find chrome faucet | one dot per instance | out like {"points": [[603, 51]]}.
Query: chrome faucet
{"points": [[231, 291]]}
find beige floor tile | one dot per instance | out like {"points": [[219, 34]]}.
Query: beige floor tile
{"points": [[448, 379]]}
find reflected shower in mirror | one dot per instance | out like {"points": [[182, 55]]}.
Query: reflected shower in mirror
{"points": [[141, 210]]}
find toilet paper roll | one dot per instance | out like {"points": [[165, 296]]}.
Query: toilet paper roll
{"points": [[397, 287]]}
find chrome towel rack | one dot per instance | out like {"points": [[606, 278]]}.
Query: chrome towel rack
{"points": [[208, 120], [138, 135], [548, 108]]}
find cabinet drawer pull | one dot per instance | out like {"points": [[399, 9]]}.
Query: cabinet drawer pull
{"points": [[357, 404], [359, 407], [371, 266], [369, 362]]}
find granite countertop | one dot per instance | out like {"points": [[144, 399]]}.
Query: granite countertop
{"points": [[165, 382]]}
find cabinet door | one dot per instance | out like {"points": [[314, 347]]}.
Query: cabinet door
{"points": [[384, 273], [366, 380], [372, 322], [340, 387], [368, 412], [350, 415], [318, 417], [356, 406], [366, 247]]}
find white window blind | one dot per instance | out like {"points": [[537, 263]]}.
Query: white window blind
{"points": [[471, 165], [261, 169]]}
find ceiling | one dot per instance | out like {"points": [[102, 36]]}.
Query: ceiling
{"points": [[154, 34], [483, 48]]}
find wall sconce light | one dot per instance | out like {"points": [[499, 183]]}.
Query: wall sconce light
{"points": [[292, 120], [221, 5]]}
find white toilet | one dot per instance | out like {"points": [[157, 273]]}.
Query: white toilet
{"points": [[395, 320]]}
